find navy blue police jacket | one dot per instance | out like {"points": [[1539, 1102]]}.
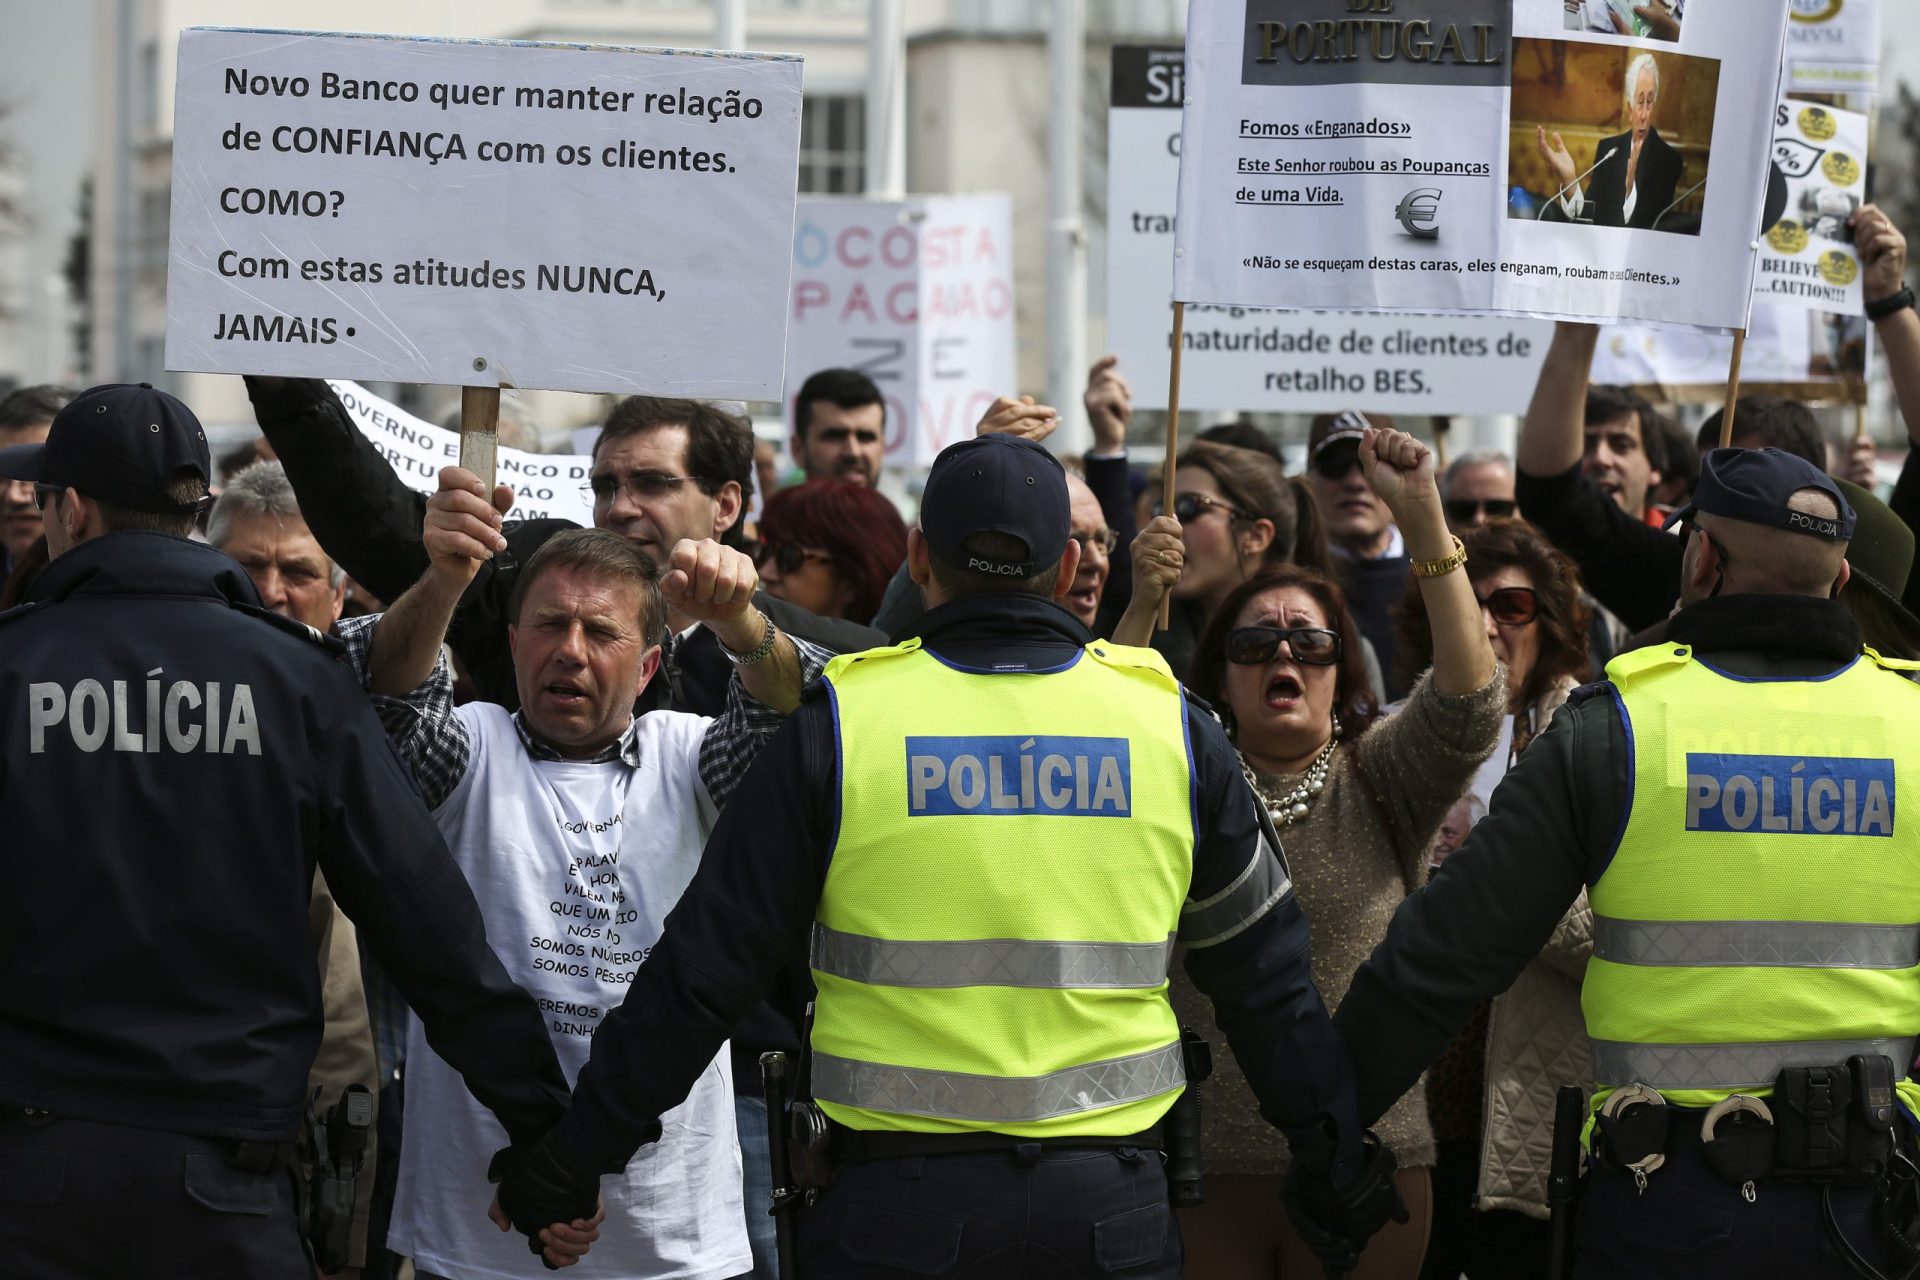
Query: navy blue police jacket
{"points": [[174, 762]]}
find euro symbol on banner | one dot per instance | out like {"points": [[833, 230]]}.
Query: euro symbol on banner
{"points": [[1417, 212]]}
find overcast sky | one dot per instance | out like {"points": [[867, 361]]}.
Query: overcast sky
{"points": [[45, 82]]}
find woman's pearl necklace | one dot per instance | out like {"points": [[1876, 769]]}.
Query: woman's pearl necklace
{"points": [[1292, 807]]}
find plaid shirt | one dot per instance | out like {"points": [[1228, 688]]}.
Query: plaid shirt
{"points": [[432, 739]]}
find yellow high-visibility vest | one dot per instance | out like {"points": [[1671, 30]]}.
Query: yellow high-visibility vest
{"points": [[1762, 909], [993, 936]]}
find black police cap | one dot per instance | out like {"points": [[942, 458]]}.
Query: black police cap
{"points": [[118, 443], [997, 483], [1755, 485]]}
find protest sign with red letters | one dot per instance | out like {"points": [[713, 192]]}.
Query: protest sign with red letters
{"points": [[918, 295]]}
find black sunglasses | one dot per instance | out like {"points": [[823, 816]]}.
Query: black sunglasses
{"points": [[1461, 510], [788, 557], [1255, 646], [1188, 507], [641, 487], [44, 494], [1512, 606], [1335, 463]]}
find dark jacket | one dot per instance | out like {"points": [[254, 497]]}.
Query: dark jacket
{"points": [[1552, 830], [369, 522], [1374, 588], [160, 857], [753, 900], [1657, 178], [1630, 567], [1905, 503]]}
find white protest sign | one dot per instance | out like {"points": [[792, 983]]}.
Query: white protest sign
{"points": [[918, 295], [1478, 156], [1810, 355], [546, 486], [1807, 257], [1272, 361], [1833, 46], [482, 212]]}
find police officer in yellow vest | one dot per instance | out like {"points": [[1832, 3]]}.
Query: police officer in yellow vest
{"points": [[1730, 800], [991, 838]]}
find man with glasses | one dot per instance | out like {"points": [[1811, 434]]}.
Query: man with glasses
{"points": [[1476, 488], [663, 470], [840, 427], [26, 414], [1372, 556]]}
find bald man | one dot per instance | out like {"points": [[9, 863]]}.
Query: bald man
{"points": [[1712, 795]]}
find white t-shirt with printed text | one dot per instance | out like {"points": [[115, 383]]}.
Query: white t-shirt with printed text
{"points": [[575, 866]]}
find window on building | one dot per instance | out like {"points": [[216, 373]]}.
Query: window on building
{"points": [[154, 217], [149, 84], [833, 153], [150, 364]]}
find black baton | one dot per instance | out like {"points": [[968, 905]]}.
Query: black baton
{"points": [[1563, 1177], [773, 1083]]}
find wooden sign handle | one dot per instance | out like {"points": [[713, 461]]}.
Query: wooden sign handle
{"points": [[1733, 388], [1173, 438], [480, 431]]}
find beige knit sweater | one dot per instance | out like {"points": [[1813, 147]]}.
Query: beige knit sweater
{"points": [[1355, 856]]}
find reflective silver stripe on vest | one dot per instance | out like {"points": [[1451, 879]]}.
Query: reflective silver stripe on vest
{"points": [[990, 962], [1237, 907], [1729, 1066], [1799, 944], [958, 1095]]}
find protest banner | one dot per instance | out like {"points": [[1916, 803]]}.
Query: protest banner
{"points": [[1273, 361], [1806, 355], [1807, 258], [1477, 156], [1833, 46], [546, 486], [482, 213], [918, 295]]}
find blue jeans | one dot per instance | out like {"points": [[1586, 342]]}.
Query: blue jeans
{"points": [[756, 1184]]}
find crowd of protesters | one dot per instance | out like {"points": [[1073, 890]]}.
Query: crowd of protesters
{"points": [[1373, 707]]}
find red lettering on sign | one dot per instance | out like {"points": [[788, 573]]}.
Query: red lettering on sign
{"points": [[844, 249], [808, 293], [858, 300], [898, 247], [903, 305]]}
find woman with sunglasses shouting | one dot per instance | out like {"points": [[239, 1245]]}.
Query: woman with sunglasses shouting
{"points": [[1356, 807], [1491, 1094]]}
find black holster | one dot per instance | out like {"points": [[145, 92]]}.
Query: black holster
{"points": [[1186, 1128], [337, 1145], [1834, 1124]]}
